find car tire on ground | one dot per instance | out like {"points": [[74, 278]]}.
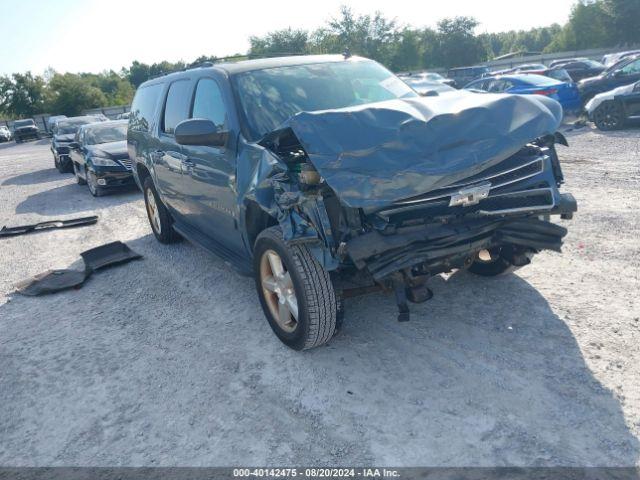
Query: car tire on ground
{"points": [[76, 172], [159, 217], [608, 116], [295, 291], [92, 183], [497, 265]]}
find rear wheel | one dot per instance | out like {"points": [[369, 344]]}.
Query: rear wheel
{"points": [[295, 292], [608, 116], [159, 217]]}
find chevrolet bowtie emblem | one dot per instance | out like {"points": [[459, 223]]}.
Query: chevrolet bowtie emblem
{"points": [[470, 195]]}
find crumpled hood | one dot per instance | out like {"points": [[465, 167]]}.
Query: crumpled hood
{"points": [[376, 154], [112, 150]]}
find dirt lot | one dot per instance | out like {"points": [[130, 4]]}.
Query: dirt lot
{"points": [[169, 361]]}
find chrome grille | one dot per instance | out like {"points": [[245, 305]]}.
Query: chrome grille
{"points": [[126, 162], [513, 170], [505, 175]]}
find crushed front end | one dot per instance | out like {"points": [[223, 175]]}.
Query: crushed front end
{"points": [[391, 195]]}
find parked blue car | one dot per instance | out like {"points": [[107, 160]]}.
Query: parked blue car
{"points": [[564, 92]]}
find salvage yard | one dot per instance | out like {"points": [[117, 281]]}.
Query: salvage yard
{"points": [[169, 360]]}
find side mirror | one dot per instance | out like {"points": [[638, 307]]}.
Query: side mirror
{"points": [[199, 131], [617, 73], [74, 145]]}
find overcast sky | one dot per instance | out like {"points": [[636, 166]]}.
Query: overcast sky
{"points": [[94, 35]]}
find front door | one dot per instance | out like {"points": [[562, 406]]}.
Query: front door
{"points": [[168, 156], [209, 175]]}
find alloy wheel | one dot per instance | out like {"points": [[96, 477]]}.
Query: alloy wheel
{"points": [[278, 291], [153, 212]]}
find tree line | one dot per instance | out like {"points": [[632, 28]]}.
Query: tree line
{"points": [[453, 42]]}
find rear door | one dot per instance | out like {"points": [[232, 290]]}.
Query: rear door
{"points": [[210, 172], [632, 102], [167, 155]]}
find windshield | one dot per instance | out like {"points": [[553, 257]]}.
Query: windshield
{"points": [[270, 96], [71, 126], [593, 64], [105, 134], [23, 123]]}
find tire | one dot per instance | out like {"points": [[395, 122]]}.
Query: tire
{"points": [[498, 265], [162, 224], [94, 188], [58, 164], [308, 282], [608, 116], [79, 179]]}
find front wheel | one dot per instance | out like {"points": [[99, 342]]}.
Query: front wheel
{"points": [[159, 217], [76, 172], [92, 183], [608, 116], [295, 292]]}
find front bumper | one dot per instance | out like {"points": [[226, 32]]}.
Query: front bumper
{"points": [[112, 178], [446, 228]]}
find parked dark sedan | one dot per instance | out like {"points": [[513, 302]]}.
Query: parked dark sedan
{"points": [[580, 69], [24, 130], [99, 156], [64, 132], [622, 73], [614, 109]]}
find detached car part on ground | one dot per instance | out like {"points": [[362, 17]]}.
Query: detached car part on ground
{"points": [[325, 177], [614, 109]]}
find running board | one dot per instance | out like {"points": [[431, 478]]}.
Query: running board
{"points": [[236, 261]]}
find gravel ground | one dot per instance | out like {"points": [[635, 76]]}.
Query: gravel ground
{"points": [[169, 361]]}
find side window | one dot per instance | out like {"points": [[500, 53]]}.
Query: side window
{"points": [[631, 68], [143, 106], [176, 108], [208, 103]]}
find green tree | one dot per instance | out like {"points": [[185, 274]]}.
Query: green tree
{"points": [[280, 42], [22, 95], [624, 18], [457, 43], [70, 94]]}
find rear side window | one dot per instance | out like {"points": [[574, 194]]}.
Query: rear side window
{"points": [[143, 106], [176, 108], [208, 103]]}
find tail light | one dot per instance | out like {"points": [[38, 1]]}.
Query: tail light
{"points": [[546, 91]]}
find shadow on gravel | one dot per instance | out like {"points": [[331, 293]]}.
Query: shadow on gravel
{"points": [[485, 374], [32, 178], [73, 198]]}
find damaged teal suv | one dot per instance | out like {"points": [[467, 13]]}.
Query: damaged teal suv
{"points": [[327, 176]]}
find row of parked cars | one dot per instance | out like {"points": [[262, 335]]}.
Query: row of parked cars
{"points": [[95, 150], [608, 95]]}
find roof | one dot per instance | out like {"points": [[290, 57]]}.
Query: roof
{"points": [[242, 66], [105, 124], [524, 77]]}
